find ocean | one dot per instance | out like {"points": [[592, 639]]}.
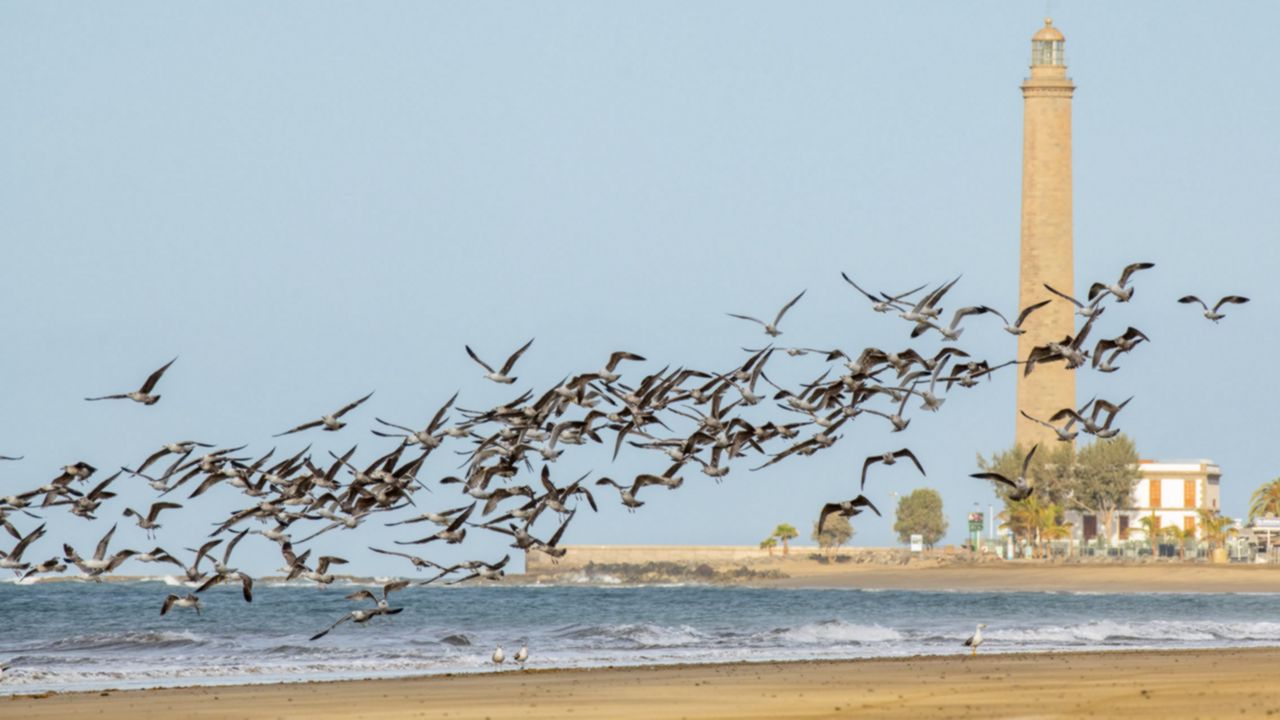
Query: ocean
{"points": [[84, 636]]}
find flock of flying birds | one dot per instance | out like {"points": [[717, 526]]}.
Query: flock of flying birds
{"points": [[289, 501]]}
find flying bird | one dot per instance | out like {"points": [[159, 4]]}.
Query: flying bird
{"points": [[771, 329], [1021, 489], [1016, 328], [927, 308], [1120, 290], [848, 509], [1064, 433], [142, 395], [1116, 346], [500, 376], [173, 601], [148, 522], [357, 616], [175, 448], [330, 422], [1213, 314], [99, 563], [885, 302], [387, 589], [1093, 308], [889, 458], [12, 560]]}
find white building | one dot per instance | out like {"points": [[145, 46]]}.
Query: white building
{"points": [[1173, 491]]}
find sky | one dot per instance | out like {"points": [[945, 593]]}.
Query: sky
{"points": [[305, 202]]}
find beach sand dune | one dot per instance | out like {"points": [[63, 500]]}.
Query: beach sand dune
{"points": [[1183, 684]]}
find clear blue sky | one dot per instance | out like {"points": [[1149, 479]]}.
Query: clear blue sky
{"points": [[308, 201]]}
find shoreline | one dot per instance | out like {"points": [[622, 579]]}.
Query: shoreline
{"points": [[1141, 683], [1004, 576], [282, 681]]}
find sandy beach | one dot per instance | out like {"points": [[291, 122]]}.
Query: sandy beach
{"points": [[1184, 684], [1036, 576]]}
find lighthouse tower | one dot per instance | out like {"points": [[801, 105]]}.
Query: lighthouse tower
{"points": [[1046, 231]]}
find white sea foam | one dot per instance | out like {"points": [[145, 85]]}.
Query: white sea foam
{"points": [[440, 632]]}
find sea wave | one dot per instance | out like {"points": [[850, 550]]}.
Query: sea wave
{"points": [[129, 640], [1117, 632], [637, 635], [836, 632]]}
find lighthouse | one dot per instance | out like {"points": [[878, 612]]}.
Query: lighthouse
{"points": [[1046, 256]]}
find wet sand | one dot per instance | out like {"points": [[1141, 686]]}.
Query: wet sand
{"points": [[1183, 684]]}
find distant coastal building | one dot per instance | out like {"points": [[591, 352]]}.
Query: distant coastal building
{"points": [[1175, 492], [1046, 253]]}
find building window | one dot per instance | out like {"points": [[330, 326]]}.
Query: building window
{"points": [[1047, 52], [1189, 524], [1124, 527], [1153, 486], [1188, 493]]}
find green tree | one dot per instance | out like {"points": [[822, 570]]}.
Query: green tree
{"points": [[835, 532], [1050, 472], [1151, 527], [1021, 518], [920, 513], [1216, 527], [1099, 479], [1104, 476], [769, 544], [1035, 521], [786, 532], [1265, 500], [1179, 537]]}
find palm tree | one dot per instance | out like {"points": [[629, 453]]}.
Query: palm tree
{"points": [[769, 544], [1178, 536], [1035, 521], [1151, 527], [785, 532], [1216, 527], [1265, 500], [1050, 527], [1022, 519]]}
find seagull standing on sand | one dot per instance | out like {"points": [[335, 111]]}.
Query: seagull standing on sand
{"points": [[522, 655], [498, 656], [975, 639]]}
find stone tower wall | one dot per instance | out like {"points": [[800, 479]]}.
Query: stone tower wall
{"points": [[1046, 246]]}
